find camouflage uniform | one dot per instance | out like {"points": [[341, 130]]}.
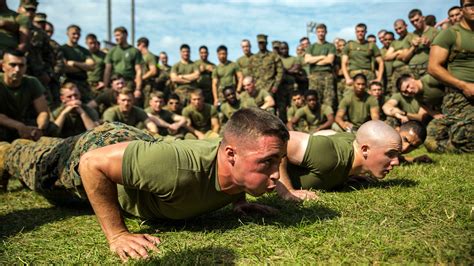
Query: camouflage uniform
{"points": [[49, 166]]}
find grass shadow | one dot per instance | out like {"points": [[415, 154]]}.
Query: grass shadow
{"points": [[383, 184], [29, 219], [200, 256]]}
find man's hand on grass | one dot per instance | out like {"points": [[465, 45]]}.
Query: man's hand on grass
{"points": [[135, 246]]}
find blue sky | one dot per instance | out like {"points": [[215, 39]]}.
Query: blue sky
{"points": [[168, 24]]}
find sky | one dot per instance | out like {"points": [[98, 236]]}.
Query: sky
{"points": [[170, 23]]}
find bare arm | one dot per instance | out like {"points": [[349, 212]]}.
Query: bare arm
{"points": [[215, 125], [327, 124], [41, 106], [391, 54], [24, 39], [269, 102], [107, 73], [215, 81], [240, 78], [340, 120], [327, 60], [153, 70], [310, 59], [418, 116], [381, 68], [345, 69], [151, 126], [138, 78], [375, 113]]}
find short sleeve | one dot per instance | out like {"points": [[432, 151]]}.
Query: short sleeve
{"points": [[214, 112], [346, 49], [445, 39], [373, 102], [109, 115], [344, 104], [174, 68], [332, 49], [376, 51], [214, 73], [108, 57]]}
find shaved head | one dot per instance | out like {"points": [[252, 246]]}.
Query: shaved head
{"points": [[377, 133]]}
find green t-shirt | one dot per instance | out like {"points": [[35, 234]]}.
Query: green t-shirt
{"points": [[97, 74], [358, 109], [314, 118], [106, 99], [326, 163], [73, 124], [124, 60], [462, 65], [288, 62], [422, 53], [76, 53], [175, 180], [257, 101], [400, 45], [361, 55], [205, 78], [407, 104], [228, 110], [317, 49], [148, 59], [433, 92], [165, 115], [135, 118], [8, 39], [17, 103], [226, 73], [243, 63], [200, 120], [185, 69]]}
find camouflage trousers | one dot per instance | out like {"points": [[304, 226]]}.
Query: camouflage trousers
{"points": [[418, 70], [340, 88], [455, 132], [397, 73], [323, 84], [49, 166]]}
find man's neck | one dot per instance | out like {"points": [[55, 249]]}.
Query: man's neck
{"points": [[323, 41], [264, 51], [363, 41], [184, 61], [124, 45], [70, 43], [224, 176], [468, 25], [419, 84], [357, 164], [248, 54], [11, 83]]}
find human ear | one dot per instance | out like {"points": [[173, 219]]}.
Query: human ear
{"points": [[365, 150], [230, 154]]}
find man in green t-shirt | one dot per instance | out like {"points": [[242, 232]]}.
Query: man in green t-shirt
{"points": [[125, 60], [203, 121], [358, 57], [118, 167], [163, 81], [226, 74], [324, 162], [95, 77], [291, 70], [205, 74], [358, 107], [388, 38], [77, 61], [108, 97], [255, 97], [320, 57], [315, 115], [376, 91], [18, 94], [184, 74], [403, 107], [243, 61], [73, 117], [230, 106], [340, 81], [149, 69], [125, 112], [452, 63], [168, 123], [297, 101]]}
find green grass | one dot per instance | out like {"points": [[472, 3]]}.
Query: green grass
{"points": [[418, 214]]}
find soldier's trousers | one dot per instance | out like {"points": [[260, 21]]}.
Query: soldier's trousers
{"points": [[397, 73], [340, 88], [50, 165], [323, 83], [418, 70], [454, 132]]}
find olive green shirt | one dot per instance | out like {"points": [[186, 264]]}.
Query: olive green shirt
{"points": [[326, 163], [136, 117], [200, 119], [289, 62], [432, 94], [314, 118], [228, 110], [358, 109], [175, 180], [124, 60], [79, 54], [243, 63], [226, 74], [422, 52], [406, 104], [462, 65], [97, 74], [360, 55], [148, 59], [317, 49], [400, 45], [205, 78], [73, 124], [257, 101], [184, 69], [8, 39]]}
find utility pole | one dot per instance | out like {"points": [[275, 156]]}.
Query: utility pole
{"points": [[133, 22], [109, 20]]}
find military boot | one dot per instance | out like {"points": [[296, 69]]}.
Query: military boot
{"points": [[4, 176]]}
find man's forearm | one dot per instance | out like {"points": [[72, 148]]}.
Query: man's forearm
{"points": [[42, 120], [9, 122]]}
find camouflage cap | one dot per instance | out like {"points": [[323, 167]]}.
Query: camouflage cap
{"points": [[276, 44], [40, 17], [29, 3], [262, 38]]}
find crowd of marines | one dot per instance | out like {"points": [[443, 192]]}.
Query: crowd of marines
{"points": [[358, 105]]}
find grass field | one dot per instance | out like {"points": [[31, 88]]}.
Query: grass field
{"points": [[418, 214]]}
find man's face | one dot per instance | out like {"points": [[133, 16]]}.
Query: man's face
{"points": [[284, 50], [222, 56], [164, 59], [69, 95], [156, 103], [297, 100], [418, 22], [120, 37], [299, 50], [340, 45], [185, 54], [230, 96], [321, 34], [410, 141], [118, 85], [401, 29], [372, 39], [312, 102], [360, 33], [409, 88], [14, 67], [381, 36], [376, 91], [173, 105], [197, 100], [249, 86], [387, 40], [262, 46], [468, 10], [203, 54], [256, 164], [49, 30], [455, 16], [245, 47], [92, 44], [380, 160], [305, 44], [359, 86], [125, 102], [73, 34]]}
